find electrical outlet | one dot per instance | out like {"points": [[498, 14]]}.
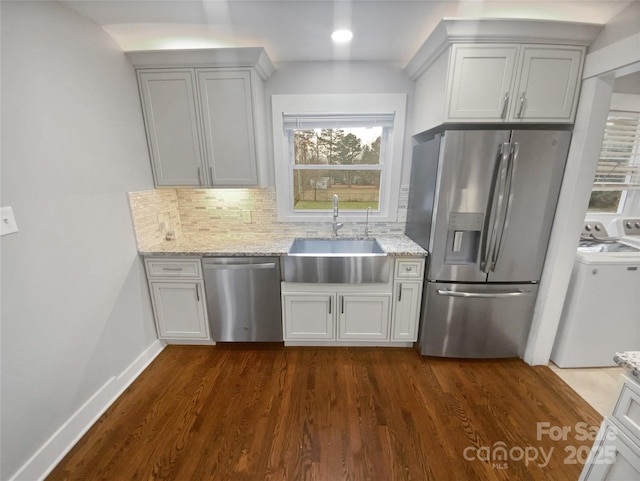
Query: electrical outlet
{"points": [[7, 221], [246, 216]]}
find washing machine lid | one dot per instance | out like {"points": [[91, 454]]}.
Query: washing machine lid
{"points": [[605, 246], [608, 253]]}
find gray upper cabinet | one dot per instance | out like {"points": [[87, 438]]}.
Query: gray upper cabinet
{"points": [[480, 78], [499, 71], [171, 121], [228, 122], [204, 115], [547, 84]]}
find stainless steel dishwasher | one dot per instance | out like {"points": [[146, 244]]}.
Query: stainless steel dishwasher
{"points": [[243, 298]]}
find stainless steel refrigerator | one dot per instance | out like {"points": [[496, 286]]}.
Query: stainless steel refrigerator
{"points": [[482, 203]]}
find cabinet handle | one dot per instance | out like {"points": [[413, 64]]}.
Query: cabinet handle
{"points": [[199, 176], [341, 304], [399, 292], [519, 114], [177, 269], [505, 102], [197, 293], [330, 304]]}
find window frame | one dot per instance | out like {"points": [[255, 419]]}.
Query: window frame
{"points": [[339, 104], [629, 203]]}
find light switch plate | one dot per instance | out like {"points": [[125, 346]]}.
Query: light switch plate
{"points": [[7, 221]]}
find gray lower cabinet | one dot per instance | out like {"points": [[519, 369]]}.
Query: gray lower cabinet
{"points": [[363, 317], [179, 310], [615, 455], [178, 299], [309, 316], [343, 314], [408, 284], [201, 125], [406, 310]]}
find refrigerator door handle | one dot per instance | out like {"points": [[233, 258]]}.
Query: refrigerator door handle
{"points": [[495, 295], [496, 197], [511, 170]]}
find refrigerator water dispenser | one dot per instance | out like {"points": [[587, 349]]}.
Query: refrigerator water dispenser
{"points": [[463, 237]]}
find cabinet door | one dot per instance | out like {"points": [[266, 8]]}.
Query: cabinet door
{"points": [[363, 317], [547, 86], [406, 311], [480, 82], [613, 457], [170, 114], [308, 317], [179, 309], [227, 113]]}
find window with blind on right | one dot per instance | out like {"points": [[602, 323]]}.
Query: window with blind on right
{"points": [[617, 177]]}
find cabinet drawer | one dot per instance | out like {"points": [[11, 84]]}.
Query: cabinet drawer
{"points": [[410, 269], [627, 409], [184, 268]]}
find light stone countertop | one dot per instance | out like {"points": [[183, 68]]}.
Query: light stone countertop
{"points": [[261, 244], [630, 360]]}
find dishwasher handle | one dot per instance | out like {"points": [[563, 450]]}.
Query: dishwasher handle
{"points": [[266, 265]]}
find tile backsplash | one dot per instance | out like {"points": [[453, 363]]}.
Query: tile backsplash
{"points": [[227, 212], [155, 212]]}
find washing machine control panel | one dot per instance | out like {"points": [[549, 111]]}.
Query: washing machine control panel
{"points": [[593, 229], [631, 227]]}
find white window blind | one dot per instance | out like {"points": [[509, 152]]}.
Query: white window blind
{"points": [[619, 164], [336, 121]]}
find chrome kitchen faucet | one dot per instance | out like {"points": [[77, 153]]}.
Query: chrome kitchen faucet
{"points": [[336, 225], [366, 224]]}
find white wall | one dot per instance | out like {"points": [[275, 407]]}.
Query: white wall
{"points": [[75, 308], [343, 78], [620, 27]]}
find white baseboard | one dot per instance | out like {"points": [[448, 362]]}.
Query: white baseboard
{"points": [[349, 343], [60, 443]]}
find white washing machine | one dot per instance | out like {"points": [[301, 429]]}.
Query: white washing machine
{"points": [[601, 314], [627, 229]]}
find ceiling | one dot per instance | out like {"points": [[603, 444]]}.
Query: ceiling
{"points": [[628, 84], [299, 30]]}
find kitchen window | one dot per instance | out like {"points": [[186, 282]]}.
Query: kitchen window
{"points": [[616, 187], [337, 144], [337, 154]]}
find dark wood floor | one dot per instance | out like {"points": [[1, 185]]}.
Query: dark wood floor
{"points": [[227, 413]]}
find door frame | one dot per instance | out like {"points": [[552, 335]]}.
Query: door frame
{"points": [[602, 67]]}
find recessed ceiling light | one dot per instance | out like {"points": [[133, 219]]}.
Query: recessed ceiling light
{"points": [[342, 36]]}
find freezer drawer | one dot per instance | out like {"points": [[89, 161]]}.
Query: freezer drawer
{"points": [[476, 320]]}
